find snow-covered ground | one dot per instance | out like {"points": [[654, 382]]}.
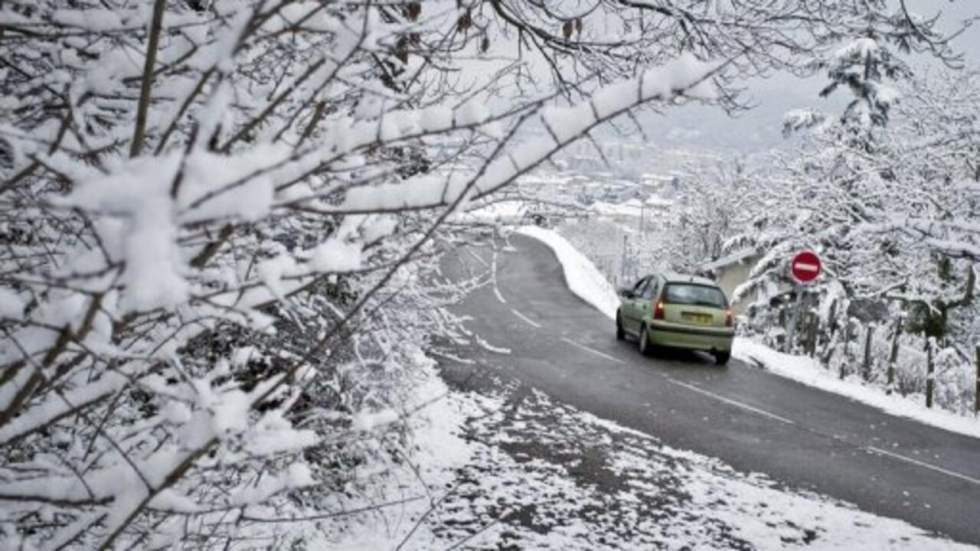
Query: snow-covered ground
{"points": [[809, 372], [403, 494], [512, 469], [631, 207]]}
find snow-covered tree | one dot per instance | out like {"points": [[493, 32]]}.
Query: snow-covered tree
{"points": [[891, 215], [716, 202], [221, 222]]}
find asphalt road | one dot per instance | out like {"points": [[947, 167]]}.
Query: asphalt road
{"points": [[751, 419]]}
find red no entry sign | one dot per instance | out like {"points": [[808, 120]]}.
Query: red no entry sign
{"points": [[806, 266]]}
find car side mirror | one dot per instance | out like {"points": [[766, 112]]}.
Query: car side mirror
{"points": [[626, 293]]}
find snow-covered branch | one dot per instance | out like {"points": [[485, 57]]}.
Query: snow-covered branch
{"points": [[222, 223]]}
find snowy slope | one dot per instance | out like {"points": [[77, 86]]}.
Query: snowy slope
{"points": [[581, 275]]}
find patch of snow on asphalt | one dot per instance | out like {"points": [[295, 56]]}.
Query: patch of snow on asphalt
{"points": [[809, 372], [581, 275], [544, 475]]}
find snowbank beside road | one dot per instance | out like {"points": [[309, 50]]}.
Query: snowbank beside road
{"points": [[386, 506], [809, 372], [581, 275]]}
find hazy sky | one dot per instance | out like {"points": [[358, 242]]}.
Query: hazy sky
{"points": [[760, 128]]}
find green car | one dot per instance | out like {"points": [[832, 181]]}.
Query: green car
{"points": [[677, 311]]}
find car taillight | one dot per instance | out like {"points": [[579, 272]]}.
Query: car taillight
{"points": [[658, 311], [729, 318]]}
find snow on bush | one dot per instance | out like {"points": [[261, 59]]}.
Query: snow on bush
{"points": [[888, 203]]}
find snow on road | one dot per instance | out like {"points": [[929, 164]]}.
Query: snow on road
{"points": [[581, 275], [514, 469], [578, 482]]}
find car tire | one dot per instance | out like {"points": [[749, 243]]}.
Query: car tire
{"points": [[721, 358], [620, 333], [643, 339]]}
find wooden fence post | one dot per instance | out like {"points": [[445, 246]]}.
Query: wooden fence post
{"points": [[831, 329], [814, 332], [847, 346], [828, 351], [867, 352], [930, 368], [977, 395], [893, 356], [832, 321]]}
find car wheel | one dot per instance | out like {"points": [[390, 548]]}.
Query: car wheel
{"points": [[620, 334], [645, 347], [721, 358]]}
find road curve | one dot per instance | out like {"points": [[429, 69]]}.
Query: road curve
{"points": [[751, 419]]}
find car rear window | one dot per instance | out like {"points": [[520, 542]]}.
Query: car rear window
{"points": [[700, 295]]}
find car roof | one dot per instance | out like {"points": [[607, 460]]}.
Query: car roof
{"points": [[674, 277]]}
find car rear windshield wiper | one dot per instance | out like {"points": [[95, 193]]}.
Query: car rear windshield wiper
{"points": [[708, 304]]}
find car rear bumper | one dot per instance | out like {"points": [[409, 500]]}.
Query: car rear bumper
{"points": [[692, 337]]}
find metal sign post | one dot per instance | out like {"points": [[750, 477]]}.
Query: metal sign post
{"points": [[805, 268], [794, 319]]}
